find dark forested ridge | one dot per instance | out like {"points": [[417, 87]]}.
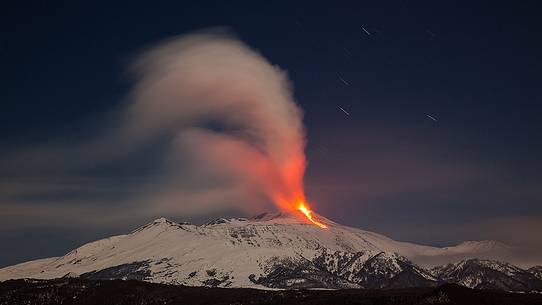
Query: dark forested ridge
{"points": [[80, 291]]}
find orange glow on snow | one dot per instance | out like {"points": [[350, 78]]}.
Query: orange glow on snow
{"points": [[305, 210]]}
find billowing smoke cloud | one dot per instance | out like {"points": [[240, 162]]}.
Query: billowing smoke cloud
{"points": [[209, 126], [228, 111]]}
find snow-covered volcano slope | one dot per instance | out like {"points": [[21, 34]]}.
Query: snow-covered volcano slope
{"points": [[271, 250]]}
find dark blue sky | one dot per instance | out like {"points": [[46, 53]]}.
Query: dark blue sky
{"points": [[474, 173]]}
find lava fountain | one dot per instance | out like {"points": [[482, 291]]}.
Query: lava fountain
{"points": [[308, 213], [305, 211]]}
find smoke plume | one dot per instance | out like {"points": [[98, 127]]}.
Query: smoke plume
{"points": [[209, 126], [226, 109]]}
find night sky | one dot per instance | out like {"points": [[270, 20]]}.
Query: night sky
{"points": [[438, 140]]}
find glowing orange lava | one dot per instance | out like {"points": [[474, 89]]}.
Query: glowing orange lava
{"points": [[305, 210]]}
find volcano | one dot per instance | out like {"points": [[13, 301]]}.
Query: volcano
{"points": [[273, 250]]}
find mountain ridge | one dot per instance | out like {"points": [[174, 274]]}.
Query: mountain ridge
{"points": [[271, 250]]}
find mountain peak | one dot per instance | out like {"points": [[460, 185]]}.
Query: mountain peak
{"points": [[488, 274], [162, 220], [158, 223]]}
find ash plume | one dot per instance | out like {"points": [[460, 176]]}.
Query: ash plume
{"points": [[218, 120], [227, 109]]}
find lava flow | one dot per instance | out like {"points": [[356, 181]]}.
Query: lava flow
{"points": [[305, 210]]}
